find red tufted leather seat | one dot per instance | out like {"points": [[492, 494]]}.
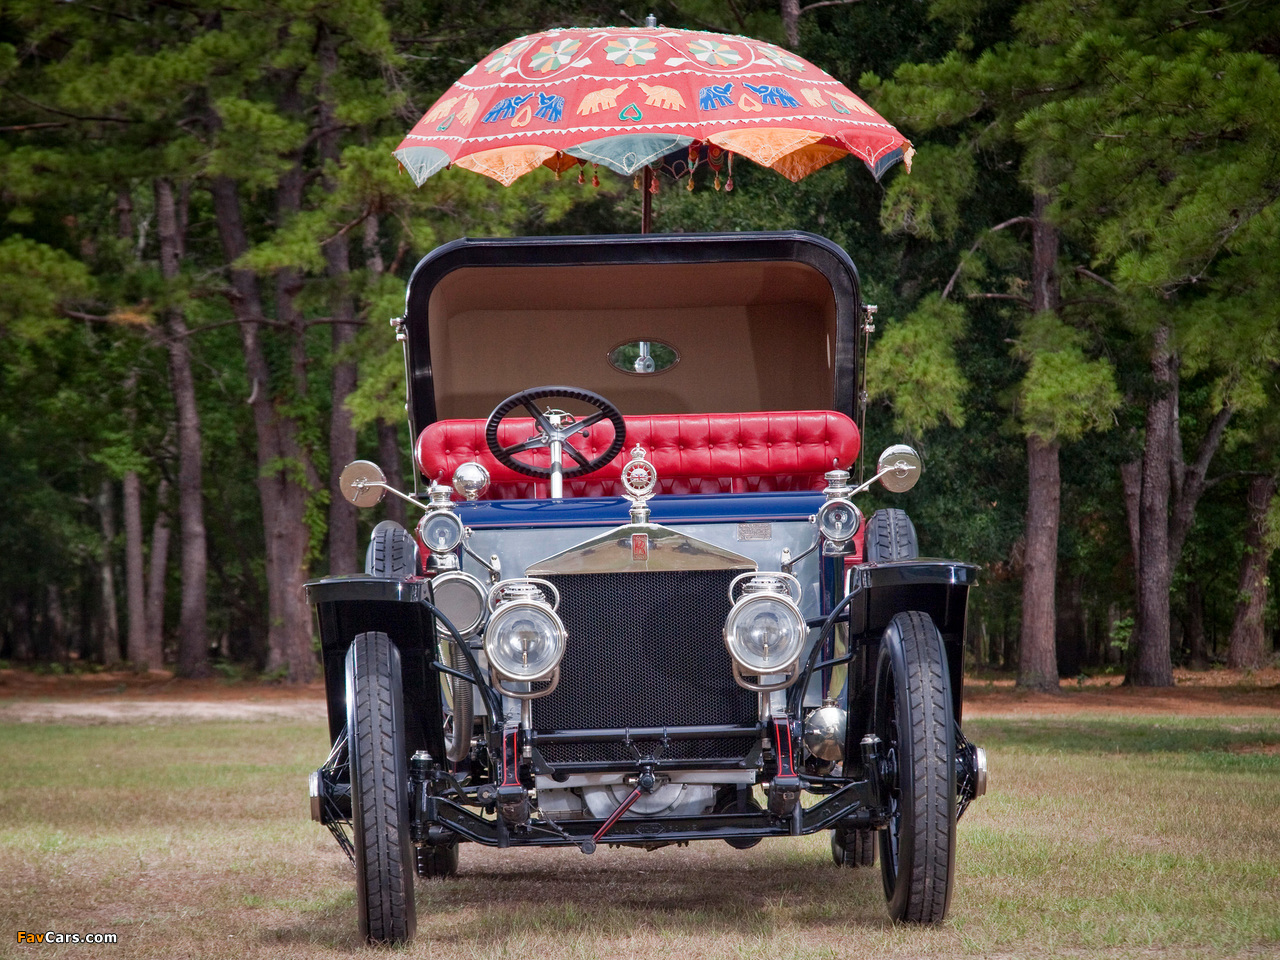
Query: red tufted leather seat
{"points": [[694, 453]]}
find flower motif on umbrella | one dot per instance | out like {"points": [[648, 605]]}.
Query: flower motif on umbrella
{"points": [[554, 55], [630, 51], [781, 58], [713, 53], [506, 55], [604, 96]]}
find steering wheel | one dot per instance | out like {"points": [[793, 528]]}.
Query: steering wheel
{"points": [[548, 431]]}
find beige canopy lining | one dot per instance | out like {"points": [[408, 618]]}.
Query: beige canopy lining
{"points": [[751, 335]]}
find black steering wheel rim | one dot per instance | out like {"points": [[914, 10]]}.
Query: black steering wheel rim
{"points": [[527, 399]]}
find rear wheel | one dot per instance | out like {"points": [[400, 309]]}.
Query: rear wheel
{"points": [[440, 861], [853, 847], [379, 790], [392, 552], [890, 535], [912, 718]]}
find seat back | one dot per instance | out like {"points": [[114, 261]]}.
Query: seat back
{"points": [[693, 453]]}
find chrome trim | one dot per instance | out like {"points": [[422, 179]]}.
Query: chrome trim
{"points": [[766, 583], [433, 516], [471, 480], [315, 788], [524, 548], [457, 576], [614, 551], [838, 503], [530, 589], [765, 586]]}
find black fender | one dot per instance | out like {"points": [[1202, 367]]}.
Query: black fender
{"points": [[939, 588], [351, 605]]}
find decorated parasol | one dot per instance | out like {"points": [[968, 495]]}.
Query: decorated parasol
{"points": [[632, 99]]}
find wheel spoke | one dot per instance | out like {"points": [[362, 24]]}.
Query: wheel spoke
{"points": [[570, 449], [543, 423], [591, 421], [533, 443]]}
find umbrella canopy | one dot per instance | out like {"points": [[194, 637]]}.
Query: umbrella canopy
{"points": [[628, 97]]}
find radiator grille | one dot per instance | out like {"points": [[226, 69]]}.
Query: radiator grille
{"points": [[645, 650]]}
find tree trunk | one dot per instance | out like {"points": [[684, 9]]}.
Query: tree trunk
{"points": [[389, 460], [1131, 481], [388, 432], [1072, 643], [135, 584], [193, 646], [157, 574], [1152, 665], [1193, 629], [284, 471], [343, 551], [791, 22], [107, 576], [1037, 649], [55, 632], [1247, 646]]}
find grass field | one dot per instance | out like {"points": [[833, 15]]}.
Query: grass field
{"points": [[1124, 837]]}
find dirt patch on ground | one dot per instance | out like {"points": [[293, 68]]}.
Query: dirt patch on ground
{"points": [[126, 697], [1195, 693], [122, 697], [156, 685]]}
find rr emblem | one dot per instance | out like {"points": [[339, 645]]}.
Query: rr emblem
{"points": [[640, 546]]}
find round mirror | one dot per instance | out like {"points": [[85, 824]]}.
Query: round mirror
{"points": [[360, 481], [903, 466], [643, 357]]}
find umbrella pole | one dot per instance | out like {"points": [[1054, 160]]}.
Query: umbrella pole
{"points": [[646, 204]]}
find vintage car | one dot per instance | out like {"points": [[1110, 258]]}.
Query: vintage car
{"points": [[640, 607]]}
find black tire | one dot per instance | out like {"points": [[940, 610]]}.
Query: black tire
{"points": [[890, 535], [912, 718], [440, 861], [379, 790], [392, 552], [853, 847]]}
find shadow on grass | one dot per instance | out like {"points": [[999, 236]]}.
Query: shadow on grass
{"points": [[508, 896]]}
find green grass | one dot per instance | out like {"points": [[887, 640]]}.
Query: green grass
{"points": [[1123, 838]]}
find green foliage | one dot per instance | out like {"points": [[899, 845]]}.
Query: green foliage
{"points": [[1152, 127], [38, 280], [1064, 394], [914, 364], [928, 204]]}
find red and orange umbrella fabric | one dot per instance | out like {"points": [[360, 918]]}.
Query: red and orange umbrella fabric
{"points": [[628, 97]]}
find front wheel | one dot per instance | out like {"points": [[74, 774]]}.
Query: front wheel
{"points": [[912, 718], [379, 790]]}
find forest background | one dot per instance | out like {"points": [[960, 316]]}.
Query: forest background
{"points": [[203, 235]]}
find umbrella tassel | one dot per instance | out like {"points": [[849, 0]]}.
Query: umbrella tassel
{"points": [[595, 174], [728, 184]]}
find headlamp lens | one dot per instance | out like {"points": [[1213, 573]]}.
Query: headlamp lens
{"points": [[460, 597], [838, 520], [764, 634], [441, 531], [524, 641]]}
